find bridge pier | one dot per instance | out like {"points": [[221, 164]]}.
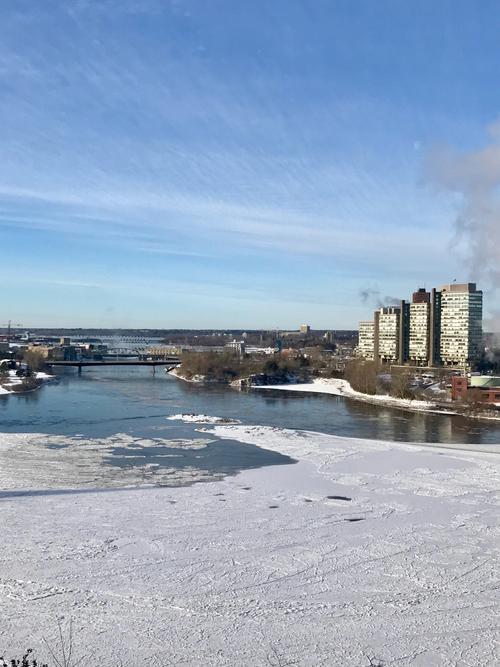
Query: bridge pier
{"points": [[80, 369]]}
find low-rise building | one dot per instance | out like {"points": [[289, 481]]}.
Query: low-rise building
{"points": [[54, 352], [164, 351], [481, 388]]}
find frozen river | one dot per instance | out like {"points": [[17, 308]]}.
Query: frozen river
{"points": [[110, 427], [102, 402], [318, 537]]}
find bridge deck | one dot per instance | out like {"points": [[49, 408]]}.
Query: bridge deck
{"points": [[116, 362]]}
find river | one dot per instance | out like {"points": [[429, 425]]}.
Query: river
{"points": [[103, 402]]}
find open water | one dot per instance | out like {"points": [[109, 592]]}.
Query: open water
{"points": [[104, 401]]}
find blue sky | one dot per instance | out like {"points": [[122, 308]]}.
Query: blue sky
{"points": [[230, 163]]}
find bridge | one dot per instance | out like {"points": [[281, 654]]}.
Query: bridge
{"points": [[171, 362]]}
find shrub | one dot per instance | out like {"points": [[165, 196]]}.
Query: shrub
{"points": [[401, 385], [362, 375], [25, 661], [34, 360]]}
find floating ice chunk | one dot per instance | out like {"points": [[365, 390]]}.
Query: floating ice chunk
{"points": [[202, 419]]}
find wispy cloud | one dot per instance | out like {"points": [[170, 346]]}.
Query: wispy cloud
{"points": [[222, 145]]}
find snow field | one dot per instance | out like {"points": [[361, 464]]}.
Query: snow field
{"points": [[361, 550]]}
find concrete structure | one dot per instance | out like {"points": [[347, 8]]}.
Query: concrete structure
{"points": [[389, 333], [163, 351], [237, 345], [54, 352], [439, 327], [305, 329], [366, 344], [435, 329], [461, 327], [404, 332], [419, 327], [329, 337]]}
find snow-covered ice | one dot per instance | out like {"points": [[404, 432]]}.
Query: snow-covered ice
{"points": [[190, 418], [363, 550], [31, 461]]}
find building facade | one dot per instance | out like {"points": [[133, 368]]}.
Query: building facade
{"points": [[366, 344], [419, 327], [439, 327], [483, 388], [461, 329], [388, 333]]}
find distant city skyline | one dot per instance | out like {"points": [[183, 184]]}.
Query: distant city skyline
{"points": [[244, 165]]}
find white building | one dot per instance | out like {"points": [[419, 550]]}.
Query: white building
{"points": [[236, 345], [418, 349], [388, 333], [366, 344], [461, 323]]}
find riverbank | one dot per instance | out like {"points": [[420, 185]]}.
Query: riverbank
{"points": [[339, 387], [272, 566], [14, 384]]}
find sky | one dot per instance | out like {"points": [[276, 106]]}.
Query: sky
{"points": [[224, 163]]}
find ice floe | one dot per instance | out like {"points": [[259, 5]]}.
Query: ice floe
{"points": [[203, 419], [40, 460]]}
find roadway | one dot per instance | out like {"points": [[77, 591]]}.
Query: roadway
{"points": [[171, 361]]}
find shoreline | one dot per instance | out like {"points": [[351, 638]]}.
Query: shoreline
{"points": [[15, 381], [340, 387]]}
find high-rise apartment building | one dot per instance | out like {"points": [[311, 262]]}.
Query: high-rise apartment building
{"points": [[461, 328], [435, 329], [419, 327], [441, 327], [388, 333], [366, 344]]}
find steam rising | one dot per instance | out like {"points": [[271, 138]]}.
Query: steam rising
{"points": [[474, 176], [369, 295]]}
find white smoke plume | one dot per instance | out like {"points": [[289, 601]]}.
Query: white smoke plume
{"points": [[474, 177]]}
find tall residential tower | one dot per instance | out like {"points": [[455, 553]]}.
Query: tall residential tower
{"points": [[441, 327], [461, 323]]}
